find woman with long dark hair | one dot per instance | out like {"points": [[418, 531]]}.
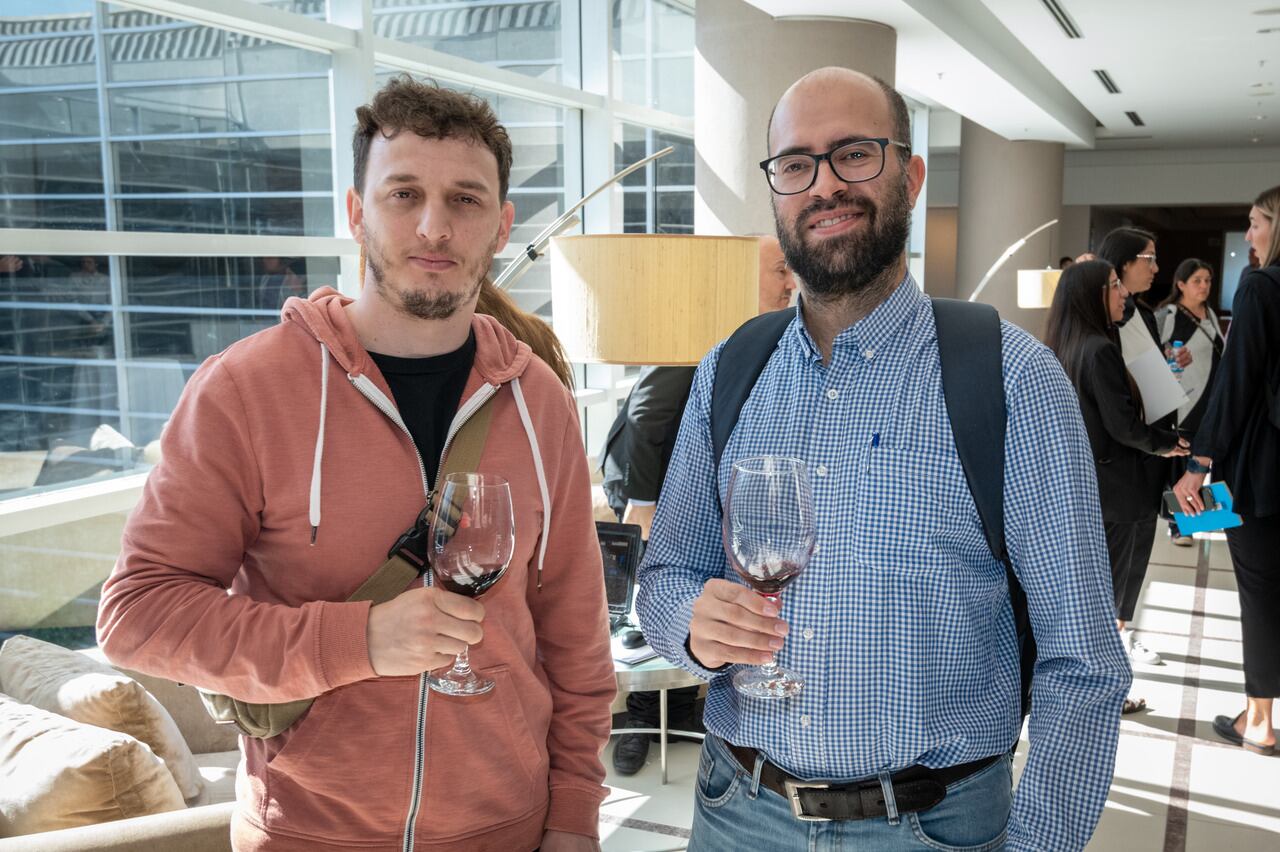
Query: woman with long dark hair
{"points": [[1132, 252], [1240, 438], [1081, 331], [1185, 317]]}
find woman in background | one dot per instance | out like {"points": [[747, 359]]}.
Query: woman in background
{"points": [[1240, 438], [1081, 331], [1186, 316]]}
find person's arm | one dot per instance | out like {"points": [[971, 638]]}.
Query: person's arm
{"points": [[572, 627], [1105, 373], [165, 609], [1082, 673]]}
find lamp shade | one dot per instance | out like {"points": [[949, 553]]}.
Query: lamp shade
{"points": [[651, 298], [1036, 287]]}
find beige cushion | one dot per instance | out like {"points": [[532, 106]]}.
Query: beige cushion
{"points": [[56, 773], [69, 684]]}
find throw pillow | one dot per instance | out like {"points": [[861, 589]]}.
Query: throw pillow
{"points": [[70, 684], [61, 774]]}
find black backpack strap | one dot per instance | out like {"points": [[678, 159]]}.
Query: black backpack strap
{"points": [[970, 350], [746, 351]]}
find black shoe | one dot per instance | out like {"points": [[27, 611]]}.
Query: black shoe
{"points": [[630, 752]]}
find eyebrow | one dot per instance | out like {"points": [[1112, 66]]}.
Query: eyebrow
{"points": [[470, 185], [800, 149]]}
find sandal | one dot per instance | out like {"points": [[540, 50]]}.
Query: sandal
{"points": [[1225, 727], [1133, 705]]}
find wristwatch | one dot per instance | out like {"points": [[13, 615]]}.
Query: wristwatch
{"points": [[1194, 466]]}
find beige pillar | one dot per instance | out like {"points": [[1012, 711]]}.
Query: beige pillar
{"points": [[1007, 189], [744, 61]]}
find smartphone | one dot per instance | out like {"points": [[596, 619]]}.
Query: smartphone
{"points": [[1172, 505]]}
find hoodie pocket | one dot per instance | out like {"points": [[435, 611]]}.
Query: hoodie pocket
{"points": [[488, 752], [346, 770]]}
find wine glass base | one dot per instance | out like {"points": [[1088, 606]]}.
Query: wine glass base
{"points": [[453, 684], [758, 683]]}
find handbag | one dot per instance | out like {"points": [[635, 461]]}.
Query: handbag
{"points": [[405, 562]]}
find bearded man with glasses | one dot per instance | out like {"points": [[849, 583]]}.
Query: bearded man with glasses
{"points": [[901, 624]]}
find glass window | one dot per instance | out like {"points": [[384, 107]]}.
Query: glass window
{"points": [[657, 199], [653, 54], [43, 47], [525, 37], [49, 115], [67, 350]]}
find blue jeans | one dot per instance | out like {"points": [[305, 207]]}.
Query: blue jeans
{"points": [[731, 813]]}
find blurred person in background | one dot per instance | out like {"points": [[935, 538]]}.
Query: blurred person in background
{"points": [[1239, 438]]}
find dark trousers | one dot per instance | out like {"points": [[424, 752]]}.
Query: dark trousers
{"points": [[642, 707], [1129, 546], [1255, 549]]}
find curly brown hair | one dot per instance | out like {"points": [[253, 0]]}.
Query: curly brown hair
{"points": [[433, 112]]}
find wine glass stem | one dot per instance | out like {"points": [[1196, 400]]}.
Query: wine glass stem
{"points": [[771, 668], [462, 663]]}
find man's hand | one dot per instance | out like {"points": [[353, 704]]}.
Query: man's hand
{"points": [[732, 624], [563, 841], [420, 630], [1188, 491]]}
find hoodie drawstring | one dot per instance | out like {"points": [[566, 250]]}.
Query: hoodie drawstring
{"points": [[314, 509], [542, 476]]}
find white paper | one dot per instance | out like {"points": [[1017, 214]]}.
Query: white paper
{"points": [[1161, 392]]}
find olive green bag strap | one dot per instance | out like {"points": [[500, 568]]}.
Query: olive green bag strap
{"points": [[391, 578]]}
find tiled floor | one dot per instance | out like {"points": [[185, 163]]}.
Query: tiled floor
{"points": [[1177, 786]]}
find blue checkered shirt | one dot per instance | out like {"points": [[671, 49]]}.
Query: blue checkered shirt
{"points": [[901, 623]]}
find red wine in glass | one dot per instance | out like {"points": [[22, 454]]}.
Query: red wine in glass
{"points": [[471, 539], [769, 536]]}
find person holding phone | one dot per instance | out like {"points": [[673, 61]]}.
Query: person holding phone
{"points": [[1081, 331], [1240, 439]]}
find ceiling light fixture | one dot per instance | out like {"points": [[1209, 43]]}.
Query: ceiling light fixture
{"points": [[1062, 19], [1273, 11], [1136, 119], [1266, 30], [1105, 79]]}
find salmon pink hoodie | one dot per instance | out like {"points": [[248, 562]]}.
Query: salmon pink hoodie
{"points": [[286, 477]]}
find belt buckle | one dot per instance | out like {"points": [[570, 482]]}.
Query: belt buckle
{"points": [[793, 789]]}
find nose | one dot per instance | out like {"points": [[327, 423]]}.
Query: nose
{"points": [[435, 224], [826, 183]]}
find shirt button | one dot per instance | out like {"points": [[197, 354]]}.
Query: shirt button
{"points": [[869, 354], [808, 633], [833, 394], [804, 721], [817, 548], [821, 470]]}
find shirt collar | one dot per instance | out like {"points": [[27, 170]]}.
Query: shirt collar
{"points": [[875, 329]]}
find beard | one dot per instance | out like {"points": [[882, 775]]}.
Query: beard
{"points": [[851, 262], [428, 304]]}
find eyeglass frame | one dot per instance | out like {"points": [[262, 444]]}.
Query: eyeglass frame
{"points": [[882, 141], [1149, 258]]}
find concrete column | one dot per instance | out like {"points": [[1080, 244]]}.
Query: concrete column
{"points": [[744, 61], [1007, 189]]}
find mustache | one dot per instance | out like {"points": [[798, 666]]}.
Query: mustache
{"points": [[433, 249]]}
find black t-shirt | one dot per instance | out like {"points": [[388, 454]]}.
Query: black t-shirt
{"points": [[427, 392]]}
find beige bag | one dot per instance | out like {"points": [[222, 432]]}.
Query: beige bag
{"points": [[392, 578]]}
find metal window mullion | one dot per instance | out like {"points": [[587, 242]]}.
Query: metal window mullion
{"points": [[159, 244], [118, 85], [650, 185], [119, 333]]}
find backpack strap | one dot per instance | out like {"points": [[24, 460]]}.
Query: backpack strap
{"points": [[748, 350], [970, 351]]}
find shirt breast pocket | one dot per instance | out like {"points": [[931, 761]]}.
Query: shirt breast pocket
{"points": [[914, 511]]}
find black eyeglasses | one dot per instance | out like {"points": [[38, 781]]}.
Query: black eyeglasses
{"points": [[853, 162]]}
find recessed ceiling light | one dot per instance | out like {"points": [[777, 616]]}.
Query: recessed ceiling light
{"points": [[1272, 11], [1259, 118], [1266, 30], [1255, 140]]}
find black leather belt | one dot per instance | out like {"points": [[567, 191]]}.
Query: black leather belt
{"points": [[916, 788]]}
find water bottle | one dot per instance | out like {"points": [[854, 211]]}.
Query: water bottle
{"points": [[1173, 359]]}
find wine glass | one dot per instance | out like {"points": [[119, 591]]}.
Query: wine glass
{"points": [[471, 538], [769, 537]]}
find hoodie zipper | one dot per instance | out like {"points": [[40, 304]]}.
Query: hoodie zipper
{"points": [[371, 392]]}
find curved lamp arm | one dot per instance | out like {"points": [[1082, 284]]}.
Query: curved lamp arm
{"points": [[1008, 253]]}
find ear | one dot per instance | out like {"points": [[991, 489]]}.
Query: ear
{"points": [[504, 229], [915, 177], [355, 214]]}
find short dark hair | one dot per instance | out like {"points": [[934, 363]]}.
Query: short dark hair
{"points": [[897, 110], [1123, 245], [433, 112]]}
